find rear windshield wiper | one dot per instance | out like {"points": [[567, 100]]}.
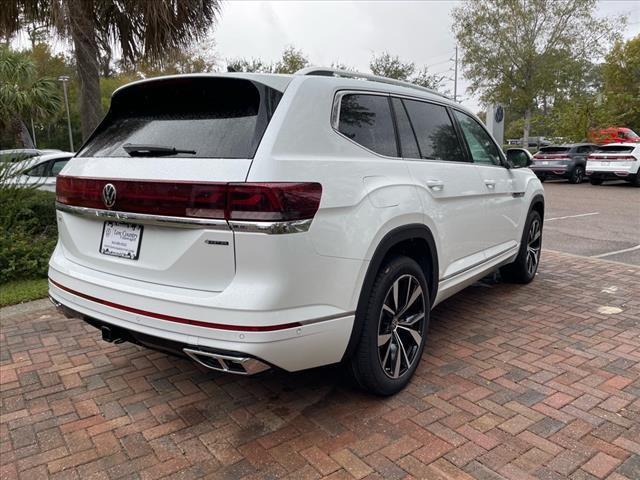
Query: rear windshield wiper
{"points": [[145, 150]]}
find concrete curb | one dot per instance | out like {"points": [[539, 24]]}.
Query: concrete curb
{"points": [[27, 307]]}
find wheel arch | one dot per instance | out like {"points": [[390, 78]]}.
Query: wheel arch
{"points": [[415, 241], [537, 204]]}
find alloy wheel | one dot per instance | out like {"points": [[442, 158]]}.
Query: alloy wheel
{"points": [[578, 175], [534, 244], [401, 326]]}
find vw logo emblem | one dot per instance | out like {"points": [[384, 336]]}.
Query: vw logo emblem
{"points": [[109, 195]]}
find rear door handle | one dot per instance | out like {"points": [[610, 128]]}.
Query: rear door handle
{"points": [[435, 185], [490, 184]]}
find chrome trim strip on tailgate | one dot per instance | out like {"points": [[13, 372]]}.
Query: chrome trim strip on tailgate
{"points": [[184, 222], [271, 228]]}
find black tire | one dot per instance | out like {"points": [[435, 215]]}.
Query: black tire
{"points": [[636, 180], [595, 181], [523, 269], [578, 175], [542, 178], [389, 350]]}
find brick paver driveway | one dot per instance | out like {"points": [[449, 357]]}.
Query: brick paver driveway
{"points": [[537, 381]]}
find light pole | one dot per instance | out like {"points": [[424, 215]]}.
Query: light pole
{"points": [[64, 79]]}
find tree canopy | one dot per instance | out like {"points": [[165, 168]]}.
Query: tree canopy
{"points": [[138, 29], [24, 95], [392, 66], [527, 53]]}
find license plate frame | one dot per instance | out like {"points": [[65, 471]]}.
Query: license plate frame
{"points": [[123, 247]]}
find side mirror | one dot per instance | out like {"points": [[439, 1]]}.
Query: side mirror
{"points": [[519, 157]]}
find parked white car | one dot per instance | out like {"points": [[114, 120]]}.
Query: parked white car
{"points": [[20, 154], [252, 221], [38, 172], [615, 161]]}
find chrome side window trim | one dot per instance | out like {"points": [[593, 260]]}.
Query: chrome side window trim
{"points": [[335, 120]]}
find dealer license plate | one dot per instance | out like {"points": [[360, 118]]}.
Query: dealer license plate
{"points": [[121, 240]]}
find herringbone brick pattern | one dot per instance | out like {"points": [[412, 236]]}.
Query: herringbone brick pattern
{"points": [[517, 382]]}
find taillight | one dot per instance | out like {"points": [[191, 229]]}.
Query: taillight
{"points": [[273, 201], [551, 156], [225, 201], [617, 158]]}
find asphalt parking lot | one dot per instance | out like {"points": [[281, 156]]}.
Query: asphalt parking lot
{"points": [[539, 381], [594, 221]]}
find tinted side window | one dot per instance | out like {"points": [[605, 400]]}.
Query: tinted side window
{"points": [[483, 149], [408, 143], [57, 166], [437, 138], [366, 119], [39, 170]]}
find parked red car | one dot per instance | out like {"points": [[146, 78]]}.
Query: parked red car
{"points": [[613, 135]]}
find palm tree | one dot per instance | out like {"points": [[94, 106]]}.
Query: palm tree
{"points": [[139, 29], [23, 95]]}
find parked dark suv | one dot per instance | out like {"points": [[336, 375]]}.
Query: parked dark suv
{"points": [[562, 161]]}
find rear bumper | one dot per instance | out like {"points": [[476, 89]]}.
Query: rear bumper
{"points": [[289, 338], [229, 362], [621, 174], [559, 171]]}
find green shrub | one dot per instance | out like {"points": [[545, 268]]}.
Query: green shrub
{"points": [[28, 233]]}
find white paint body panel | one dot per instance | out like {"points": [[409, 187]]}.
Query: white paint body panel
{"points": [[261, 279]]}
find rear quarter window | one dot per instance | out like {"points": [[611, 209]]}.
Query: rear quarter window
{"points": [[39, 170], [215, 117], [366, 119]]}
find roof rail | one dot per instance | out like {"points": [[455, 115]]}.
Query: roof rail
{"points": [[335, 72]]}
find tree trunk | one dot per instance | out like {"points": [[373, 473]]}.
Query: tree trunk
{"points": [[527, 128], [81, 18]]}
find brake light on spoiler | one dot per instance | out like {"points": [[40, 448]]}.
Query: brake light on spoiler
{"points": [[265, 201]]}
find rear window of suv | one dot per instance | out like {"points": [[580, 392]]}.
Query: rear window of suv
{"points": [[615, 149], [215, 117], [554, 149]]}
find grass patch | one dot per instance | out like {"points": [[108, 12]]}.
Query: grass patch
{"points": [[20, 291]]}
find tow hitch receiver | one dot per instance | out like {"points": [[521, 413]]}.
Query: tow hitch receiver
{"points": [[110, 334]]}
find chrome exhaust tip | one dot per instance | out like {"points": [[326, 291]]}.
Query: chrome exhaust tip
{"points": [[55, 303], [66, 311], [227, 363]]}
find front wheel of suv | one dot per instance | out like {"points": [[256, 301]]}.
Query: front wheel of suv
{"points": [[395, 327], [525, 266]]}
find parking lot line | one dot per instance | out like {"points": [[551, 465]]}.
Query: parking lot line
{"points": [[571, 216], [631, 249]]}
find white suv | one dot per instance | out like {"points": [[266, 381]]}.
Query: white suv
{"points": [[252, 221], [616, 161]]}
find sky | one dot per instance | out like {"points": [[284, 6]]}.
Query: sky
{"points": [[350, 32]]}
